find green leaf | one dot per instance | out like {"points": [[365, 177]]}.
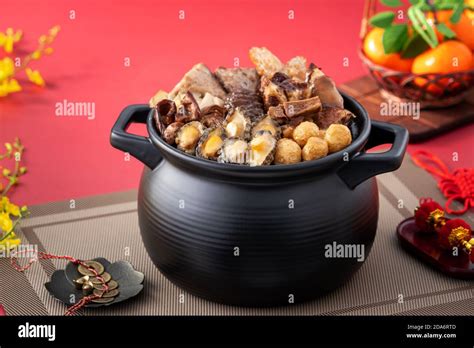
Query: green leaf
{"points": [[382, 19], [394, 38], [391, 3], [443, 29], [414, 2], [414, 46], [456, 16]]}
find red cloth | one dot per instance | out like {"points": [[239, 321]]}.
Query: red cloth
{"points": [[71, 157], [2, 311]]}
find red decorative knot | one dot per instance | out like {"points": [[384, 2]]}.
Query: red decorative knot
{"points": [[429, 215], [44, 256], [456, 186], [456, 233]]}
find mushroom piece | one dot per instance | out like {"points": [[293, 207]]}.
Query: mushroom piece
{"points": [[302, 107], [250, 104], [164, 114], [169, 135], [333, 115], [293, 89], [325, 88], [212, 116], [187, 109]]}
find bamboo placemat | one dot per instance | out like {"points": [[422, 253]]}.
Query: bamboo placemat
{"points": [[107, 226]]}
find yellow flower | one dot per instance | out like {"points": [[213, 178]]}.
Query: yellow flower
{"points": [[9, 86], [6, 223], [9, 243], [35, 77], [9, 38], [7, 68]]}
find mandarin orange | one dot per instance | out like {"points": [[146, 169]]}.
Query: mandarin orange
{"points": [[373, 49]]}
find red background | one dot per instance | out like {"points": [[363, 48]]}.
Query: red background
{"points": [[70, 157]]}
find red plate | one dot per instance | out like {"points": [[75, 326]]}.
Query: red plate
{"points": [[425, 247]]}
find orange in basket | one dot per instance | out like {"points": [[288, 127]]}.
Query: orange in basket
{"points": [[373, 49]]}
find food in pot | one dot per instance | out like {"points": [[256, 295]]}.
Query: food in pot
{"points": [[237, 125], [199, 80], [187, 108], [210, 143], [302, 107], [327, 92], [287, 131], [265, 61], [287, 152], [332, 115], [234, 150], [266, 124], [304, 131], [338, 136], [170, 133], [296, 68], [238, 115], [315, 148], [262, 149], [209, 101], [238, 79], [250, 104], [159, 96], [188, 136]]}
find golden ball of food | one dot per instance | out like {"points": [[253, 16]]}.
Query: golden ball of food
{"points": [[315, 148], [304, 131], [321, 133], [338, 137], [287, 152]]}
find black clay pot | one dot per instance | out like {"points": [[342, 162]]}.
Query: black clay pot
{"points": [[259, 236]]}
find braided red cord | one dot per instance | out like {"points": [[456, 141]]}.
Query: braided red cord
{"points": [[44, 256], [456, 186]]}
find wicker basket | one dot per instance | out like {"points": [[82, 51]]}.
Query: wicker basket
{"points": [[430, 90]]}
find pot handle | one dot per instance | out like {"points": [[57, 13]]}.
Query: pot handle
{"points": [[138, 146], [366, 165]]}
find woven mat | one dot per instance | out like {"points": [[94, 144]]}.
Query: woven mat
{"points": [[108, 226]]}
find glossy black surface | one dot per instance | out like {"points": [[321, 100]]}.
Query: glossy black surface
{"points": [[257, 236]]}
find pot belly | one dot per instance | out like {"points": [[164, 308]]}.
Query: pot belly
{"points": [[255, 245]]}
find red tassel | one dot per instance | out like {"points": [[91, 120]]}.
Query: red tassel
{"points": [[456, 186], [455, 233], [428, 215]]}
